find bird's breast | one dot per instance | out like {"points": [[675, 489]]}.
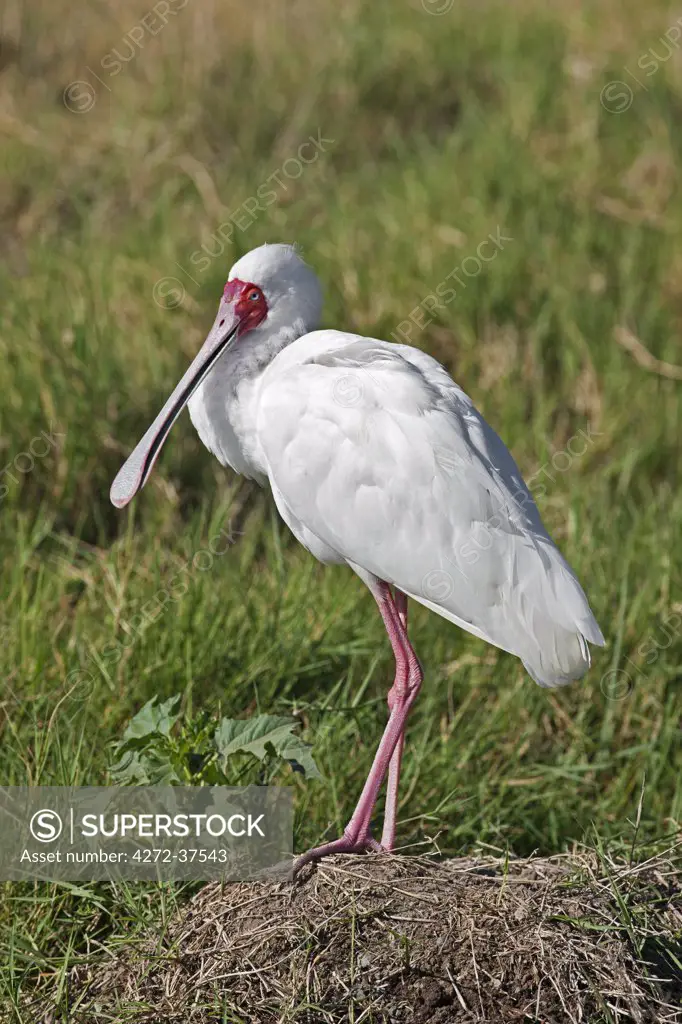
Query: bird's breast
{"points": [[223, 411]]}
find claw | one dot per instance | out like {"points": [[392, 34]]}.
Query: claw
{"points": [[345, 844]]}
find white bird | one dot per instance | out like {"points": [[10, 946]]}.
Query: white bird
{"points": [[376, 459]]}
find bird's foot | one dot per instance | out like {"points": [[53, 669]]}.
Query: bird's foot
{"points": [[345, 844]]}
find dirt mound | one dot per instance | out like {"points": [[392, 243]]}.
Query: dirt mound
{"points": [[397, 939]]}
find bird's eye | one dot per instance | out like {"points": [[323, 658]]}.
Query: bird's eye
{"points": [[254, 295]]}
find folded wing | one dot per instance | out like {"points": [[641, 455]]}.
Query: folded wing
{"points": [[376, 456]]}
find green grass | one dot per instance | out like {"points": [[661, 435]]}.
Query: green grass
{"points": [[444, 128]]}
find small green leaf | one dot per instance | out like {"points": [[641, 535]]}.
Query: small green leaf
{"points": [[137, 769], [130, 770], [255, 735], [153, 719]]}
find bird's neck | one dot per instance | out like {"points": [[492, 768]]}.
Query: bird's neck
{"points": [[252, 354], [223, 408]]}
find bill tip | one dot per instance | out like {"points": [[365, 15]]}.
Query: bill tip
{"points": [[117, 499]]}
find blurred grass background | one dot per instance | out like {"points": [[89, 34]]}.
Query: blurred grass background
{"points": [[445, 127]]}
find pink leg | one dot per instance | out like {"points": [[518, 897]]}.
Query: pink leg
{"points": [[356, 836], [397, 694]]}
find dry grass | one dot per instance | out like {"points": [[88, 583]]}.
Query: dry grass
{"points": [[408, 939]]}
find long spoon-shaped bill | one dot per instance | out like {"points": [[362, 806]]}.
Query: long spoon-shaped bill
{"points": [[134, 473]]}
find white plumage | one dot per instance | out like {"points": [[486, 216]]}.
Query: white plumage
{"points": [[376, 458]]}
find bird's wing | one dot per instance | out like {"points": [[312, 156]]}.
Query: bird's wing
{"points": [[374, 450]]}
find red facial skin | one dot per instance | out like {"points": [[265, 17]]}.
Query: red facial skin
{"points": [[249, 304]]}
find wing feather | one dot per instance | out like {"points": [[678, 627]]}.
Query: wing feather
{"points": [[374, 453]]}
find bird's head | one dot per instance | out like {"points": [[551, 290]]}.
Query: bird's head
{"points": [[269, 290], [272, 286]]}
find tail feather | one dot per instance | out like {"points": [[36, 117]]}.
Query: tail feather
{"points": [[541, 615], [568, 660], [552, 640]]}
